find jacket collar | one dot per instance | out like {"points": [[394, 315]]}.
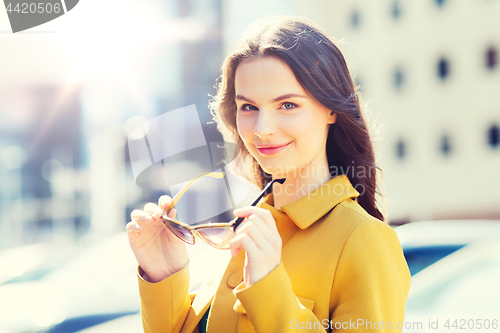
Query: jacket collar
{"points": [[314, 205]]}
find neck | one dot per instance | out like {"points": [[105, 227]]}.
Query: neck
{"points": [[300, 182]]}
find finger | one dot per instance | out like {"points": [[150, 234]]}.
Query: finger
{"points": [[260, 224], [141, 216], [164, 202], [152, 209], [133, 229], [264, 214], [270, 232], [272, 237], [258, 231], [133, 226], [243, 242], [235, 246], [172, 213]]}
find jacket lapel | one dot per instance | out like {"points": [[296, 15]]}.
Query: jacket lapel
{"points": [[220, 319], [200, 305]]}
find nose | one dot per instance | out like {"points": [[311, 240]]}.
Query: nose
{"points": [[265, 125]]}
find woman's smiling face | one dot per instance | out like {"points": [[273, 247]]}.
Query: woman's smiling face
{"points": [[280, 124]]}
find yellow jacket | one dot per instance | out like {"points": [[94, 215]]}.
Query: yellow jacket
{"points": [[341, 270]]}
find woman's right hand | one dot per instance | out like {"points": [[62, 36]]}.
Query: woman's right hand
{"points": [[157, 250]]}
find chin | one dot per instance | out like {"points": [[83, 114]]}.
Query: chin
{"points": [[275, 171], [269, 169]]}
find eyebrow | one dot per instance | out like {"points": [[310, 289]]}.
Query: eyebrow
{"points": [[277, 99]]}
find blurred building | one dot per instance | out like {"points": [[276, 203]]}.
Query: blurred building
{"points": [[429, 73], [68, 90], [39, 149]]}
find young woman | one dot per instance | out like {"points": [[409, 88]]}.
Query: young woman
{"points": [[315, 254]]}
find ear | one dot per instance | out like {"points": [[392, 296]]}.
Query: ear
{"points": [[332, 117]]}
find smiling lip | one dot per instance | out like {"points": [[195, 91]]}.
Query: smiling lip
{"points": [[271, 150]]}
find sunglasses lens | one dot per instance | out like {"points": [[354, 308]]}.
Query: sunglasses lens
{"points": [[180, 231], [220, 237]]}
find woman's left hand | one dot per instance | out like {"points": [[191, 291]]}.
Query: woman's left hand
{"points": [[258, 236]]}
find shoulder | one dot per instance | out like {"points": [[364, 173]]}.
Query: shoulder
{"points": [[370, 242], [349, 212], [353, 225]]}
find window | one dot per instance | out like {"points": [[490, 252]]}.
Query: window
{"points": [[491, 58], [401, 149], [445, 145], [493, 136], [355, 19], [440, 3], [396, 9], [443, 68], [398, 78]]}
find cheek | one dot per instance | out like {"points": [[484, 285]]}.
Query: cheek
{"points": [[307, 132], [245, 127]]}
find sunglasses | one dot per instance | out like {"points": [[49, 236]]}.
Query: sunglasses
{"points": [[218, 235]]}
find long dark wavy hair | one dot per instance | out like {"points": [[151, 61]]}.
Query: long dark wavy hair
{"points": [[320, 68]]}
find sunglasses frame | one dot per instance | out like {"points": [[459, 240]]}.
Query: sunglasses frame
{"points": [[232, 225], [194, 230]]}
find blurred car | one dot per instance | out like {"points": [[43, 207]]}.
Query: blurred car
{"points": [[100, 286], [459, 292], [97, 286], [125, 324], [426, 242], [33, 262]]}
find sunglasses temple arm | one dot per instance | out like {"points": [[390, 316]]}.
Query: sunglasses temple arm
{"points": [[256, 201], [184, 189]]}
